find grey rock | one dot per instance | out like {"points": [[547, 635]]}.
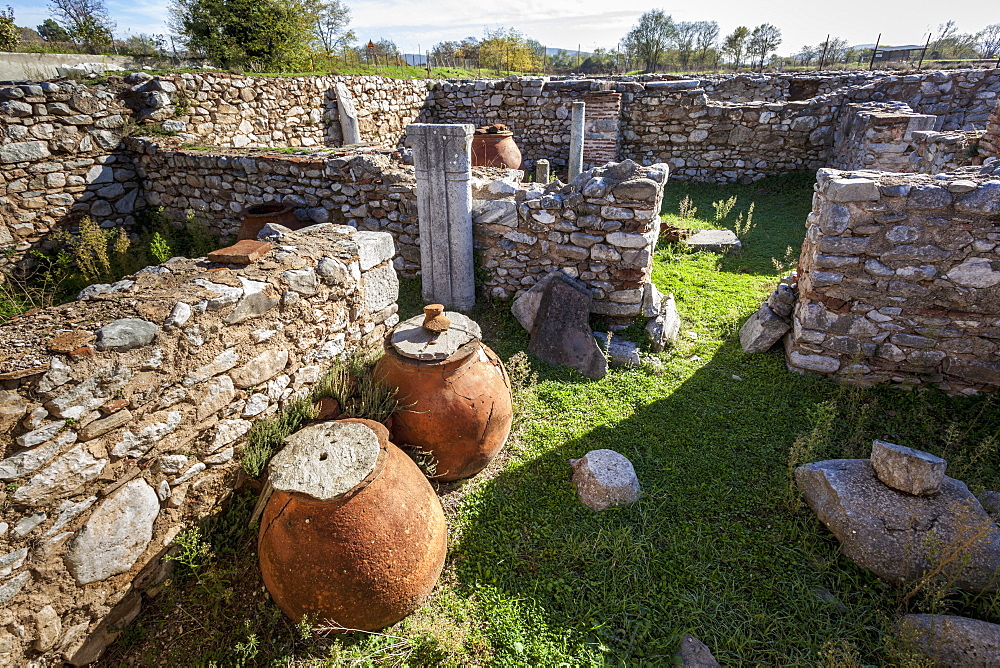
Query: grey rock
{"points": [[715, 241], [174, 125], [644, 190], [693, 653], [665, 326], [929, 197], [411, 340], [47, 628], [949, 640], [494, 212], [260, 369], [896, 535], [23, 151], [525, 307], [125, 334], [561, 332], [818, 363], [115, 535], [907, 470], [852, 190], [255, 302], [61, 478], [605, 478], [985, 200], [274, 232], [380, 287], [374, 248], [762, 330], [13, 586], [33, 459], [179, 315]]}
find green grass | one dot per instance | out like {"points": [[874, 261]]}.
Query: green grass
{"points": [[719, 545]]}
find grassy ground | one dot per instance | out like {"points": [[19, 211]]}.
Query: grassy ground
{"points": [[719, 545]]}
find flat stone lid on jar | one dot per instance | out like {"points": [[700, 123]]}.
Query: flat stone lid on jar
{"points": [[411, 340], [325, 460]]}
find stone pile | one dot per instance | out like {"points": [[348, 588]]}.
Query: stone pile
{"points": [[127, 410], [989, 145], [899, 280], [878, 135], [898, 515], [939, 152]]}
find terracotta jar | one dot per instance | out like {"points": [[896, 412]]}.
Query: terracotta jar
{"points": [[257, 216], [495, 150], [457, 394], [353, 535]]}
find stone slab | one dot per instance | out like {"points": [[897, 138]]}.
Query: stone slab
{"points": [[411, 340], [762, 330], [325, 460], [561, 332], [907, 470], [715, 241]]}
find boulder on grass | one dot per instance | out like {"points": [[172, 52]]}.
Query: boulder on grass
{"points": [[762, 330], [948, 640], [901, 537], [605, 478]]}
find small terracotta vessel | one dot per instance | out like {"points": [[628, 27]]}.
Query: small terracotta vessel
{"points": [[456, 390], [353, 535], [434, 319]]}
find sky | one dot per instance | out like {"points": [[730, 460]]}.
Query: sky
{"points": [[594, 23]]}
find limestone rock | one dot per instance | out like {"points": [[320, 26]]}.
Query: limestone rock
{"points": [[665, 326], [912, 471], [762, 330], [949, 640], [894, 534], [380, 287], [561, 331], [260, 369], [47, 627], [126, 334], [61, 478], [115, 535], [605, 478], [374, 248], [525, 307]]}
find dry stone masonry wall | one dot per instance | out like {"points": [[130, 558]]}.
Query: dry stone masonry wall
{"points": [[899, 280], [124, 413]]}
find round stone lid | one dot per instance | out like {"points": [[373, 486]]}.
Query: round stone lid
{"points": [[326, 460], [410, 339]]}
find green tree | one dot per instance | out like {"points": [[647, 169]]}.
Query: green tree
{"points": [[735, 45], [52, 31], [988, 41], [707, 33], [10, 34], [86, 21], [649, 40], [259, 35], [330, 24], [764, 39]]}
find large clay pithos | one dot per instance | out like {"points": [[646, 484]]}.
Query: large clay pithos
{"points": [[353, 536], [455, 391], [257, 216], [494, 146]]}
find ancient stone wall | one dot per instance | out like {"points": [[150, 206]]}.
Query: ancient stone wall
{"points": [[601, 229], [937, 152], [538, 111], [713, 141], [124, 415], [899, 280], [877, 135], [59, 156], [989, 145], [219, 109]]}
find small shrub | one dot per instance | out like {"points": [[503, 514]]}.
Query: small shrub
{"points": [[686, 208], [159, 248], [192, 552], [743, 226], [723, 207]]}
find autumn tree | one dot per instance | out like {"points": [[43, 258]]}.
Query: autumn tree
{"points": [[10, 34], [509, 50]]}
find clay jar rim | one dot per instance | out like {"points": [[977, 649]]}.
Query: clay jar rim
{"points": [[373, 475], [266, 209], [433, 366], [497, 135]]}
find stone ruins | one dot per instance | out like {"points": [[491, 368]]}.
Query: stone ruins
{"points": [[125, 408]]}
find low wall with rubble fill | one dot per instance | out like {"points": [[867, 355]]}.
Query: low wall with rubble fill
{"points": [[220, 109], [601, 229], [937, 152], [899, 280], [139, 398]]}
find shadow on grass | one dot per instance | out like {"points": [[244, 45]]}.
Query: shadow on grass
{"points": [[717, 546]]}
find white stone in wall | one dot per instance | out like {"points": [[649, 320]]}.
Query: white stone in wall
{"points": [[115, 535], [374, 248], [60, 478]]}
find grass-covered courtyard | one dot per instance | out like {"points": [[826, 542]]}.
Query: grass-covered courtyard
{"points": [[719, 546]]}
